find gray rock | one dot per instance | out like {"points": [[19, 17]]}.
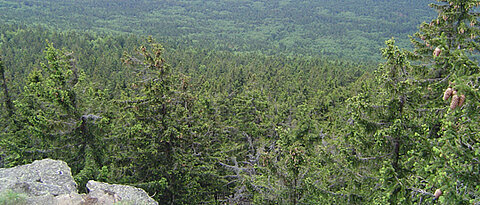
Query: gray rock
{"points": [[42, 177], [70, 199], [65, 199], [110, 193], [50, 182]]}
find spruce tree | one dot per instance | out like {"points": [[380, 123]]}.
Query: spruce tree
{"points": [[447, 48], [7, 98], [157, 144], [419, 124], [54, 120]]}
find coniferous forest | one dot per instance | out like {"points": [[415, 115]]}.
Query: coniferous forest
{"points": [[248, 102]]}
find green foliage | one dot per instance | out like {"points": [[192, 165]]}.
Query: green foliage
{"points": [[181, 138], [8, 101], [342, 29], [216, 126], [153, 135], [52, 118], [407, 129]]}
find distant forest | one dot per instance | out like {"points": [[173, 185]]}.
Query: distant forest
{"points": [[248, 102], [342, 28]]}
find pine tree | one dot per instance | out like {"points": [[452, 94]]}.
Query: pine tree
{"points": [[384, 122], [420, 142], [54, 120], [156, 145], [8, 124], [7, 98], [452, 38]]}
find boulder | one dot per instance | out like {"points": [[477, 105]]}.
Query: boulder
{"points": [[111, 193], [50, 182], [42, 177]]}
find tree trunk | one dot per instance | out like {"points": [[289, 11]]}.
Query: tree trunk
{"points": [[396, 154]]}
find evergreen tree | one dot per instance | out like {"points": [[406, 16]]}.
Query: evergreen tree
{"points": [[156, 146], [7, 98], [7, 125], [53, 120], [385, 121], [447, 48], [404, 128]]}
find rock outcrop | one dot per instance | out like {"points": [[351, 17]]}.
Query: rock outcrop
{"points": [[110, 193], [50, 182]]}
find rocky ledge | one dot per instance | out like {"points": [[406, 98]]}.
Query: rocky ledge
{"points": [[50, 182]]}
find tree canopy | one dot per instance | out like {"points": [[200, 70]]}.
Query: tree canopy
{"points": [[205, 125]]}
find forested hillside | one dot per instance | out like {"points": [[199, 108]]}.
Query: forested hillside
{"points": [[195, 123], [345, 29]]}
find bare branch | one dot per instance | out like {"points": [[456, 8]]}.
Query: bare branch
{"points": [[421, 191], [372, 158], [90, 117], [133, 101]]}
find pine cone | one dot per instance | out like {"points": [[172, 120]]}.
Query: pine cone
{"points": [[461, 100], [447, 93], [437, 51], [438, 193], [454, 102]]}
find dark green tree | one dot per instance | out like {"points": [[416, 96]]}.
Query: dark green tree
{"points": [[160, 141], [7, 98], [54, 120], [384, 122]]}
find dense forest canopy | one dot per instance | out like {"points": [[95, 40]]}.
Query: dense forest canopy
{"points": [[248, 102], [346, 28]]}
